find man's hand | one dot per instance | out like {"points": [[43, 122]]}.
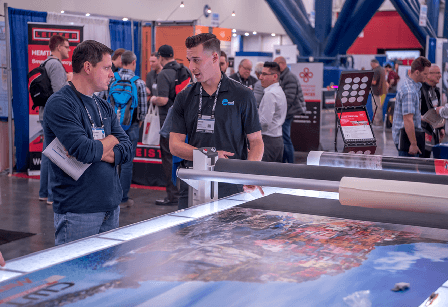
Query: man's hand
{"points": [[140, 123], [438, 110], [413, 149], [441, 135], [108, 145], [2, 261], [224, 154], [148, 91]]}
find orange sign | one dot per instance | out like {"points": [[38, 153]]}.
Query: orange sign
{"points": [[223, 34], [200, 29]]}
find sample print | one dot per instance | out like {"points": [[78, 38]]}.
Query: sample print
{"points": [[248, 257]]}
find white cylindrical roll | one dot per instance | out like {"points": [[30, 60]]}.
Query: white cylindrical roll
{"points": [[314, 158], [392, 194]]}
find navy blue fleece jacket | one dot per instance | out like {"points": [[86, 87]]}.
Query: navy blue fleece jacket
{"points": [[98, 189]]}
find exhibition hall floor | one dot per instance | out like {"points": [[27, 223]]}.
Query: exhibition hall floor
{"points": [[21, 211]]}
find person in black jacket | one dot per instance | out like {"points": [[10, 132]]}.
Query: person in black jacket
{"points": [[430, 99], [296, 105], [243, 75]]}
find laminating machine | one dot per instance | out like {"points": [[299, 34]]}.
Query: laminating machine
{"points": [[321, 236]]}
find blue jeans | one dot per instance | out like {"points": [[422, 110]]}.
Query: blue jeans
{"points": [[73, 226], [45, 171], [126, 168], [288, 152]]}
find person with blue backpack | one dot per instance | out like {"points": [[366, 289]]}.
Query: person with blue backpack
{"points": [[127, 95]]}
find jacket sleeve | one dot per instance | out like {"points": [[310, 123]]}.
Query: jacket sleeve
{"points": [[290, 87], [300, 99]]}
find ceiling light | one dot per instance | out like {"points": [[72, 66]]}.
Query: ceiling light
{"points": [[125, 19], [62, 12], [234, 34], [182, 4], [254, 33], [209, 11], [87, 14], [247, 33], [233, 14], [233, 30], [272, 34]]}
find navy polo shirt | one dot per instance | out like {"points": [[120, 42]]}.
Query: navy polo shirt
{"points": [[236, 116]]}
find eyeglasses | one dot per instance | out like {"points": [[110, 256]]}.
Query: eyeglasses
{"points": [[266, 74], [245, 68], [435, 73]]}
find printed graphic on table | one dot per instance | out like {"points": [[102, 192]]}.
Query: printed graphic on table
{"points": [[355, 126], [248, 257], [38, 51]]}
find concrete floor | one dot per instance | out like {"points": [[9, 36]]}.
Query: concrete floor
{"points": [[20, 209]]}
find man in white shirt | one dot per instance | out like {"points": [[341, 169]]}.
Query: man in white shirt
{"points": [[272, 113]]}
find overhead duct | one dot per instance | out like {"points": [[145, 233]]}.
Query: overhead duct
{"points": [[341, 23], [324, 9], [299, 36], [433, 13], [409, 11], [359, 18]]}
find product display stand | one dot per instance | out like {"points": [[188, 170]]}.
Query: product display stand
{"points": [[351, 112]]}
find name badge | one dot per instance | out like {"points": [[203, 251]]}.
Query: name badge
{"points": [[98, 133], [206, 125], [435, 102]]}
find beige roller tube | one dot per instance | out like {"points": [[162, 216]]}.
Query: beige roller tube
{"points": [[392, 194]]}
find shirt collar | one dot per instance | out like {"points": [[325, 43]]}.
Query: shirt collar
{"points": [[224, 85], [272, 86], [417, 85], [127, 71]]}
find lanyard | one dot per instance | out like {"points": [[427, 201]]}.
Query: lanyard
{"points": [[88, 113], [214, 104], [432, 93], [241, 80]]}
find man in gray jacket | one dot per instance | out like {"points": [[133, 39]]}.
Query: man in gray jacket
{"points": [[296, 105], [59, 50]]}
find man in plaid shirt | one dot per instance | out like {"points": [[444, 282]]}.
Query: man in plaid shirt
{"points": [[407, 112], [129, 61]]}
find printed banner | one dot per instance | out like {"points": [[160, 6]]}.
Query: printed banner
{"points": [[38, 51], [305, 128]]}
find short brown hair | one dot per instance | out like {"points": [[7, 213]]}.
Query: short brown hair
{"points": [[56, 41], [419, 64], [207, 40], [118, 53], [156, 54], [224, 55], [88, 51]]}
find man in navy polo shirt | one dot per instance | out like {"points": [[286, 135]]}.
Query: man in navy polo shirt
{"points": [[216, 99]]}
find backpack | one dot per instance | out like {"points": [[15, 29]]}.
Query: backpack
{"points": [[183, 78], [40, 87], [124, 100]]}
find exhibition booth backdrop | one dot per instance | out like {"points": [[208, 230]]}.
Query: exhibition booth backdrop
{"points": [[140, 36]]}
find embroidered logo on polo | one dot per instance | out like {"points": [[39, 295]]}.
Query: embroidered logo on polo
{"points": [[226, 102]]}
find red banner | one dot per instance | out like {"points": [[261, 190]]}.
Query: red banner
{"points": [[38, 51]]}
